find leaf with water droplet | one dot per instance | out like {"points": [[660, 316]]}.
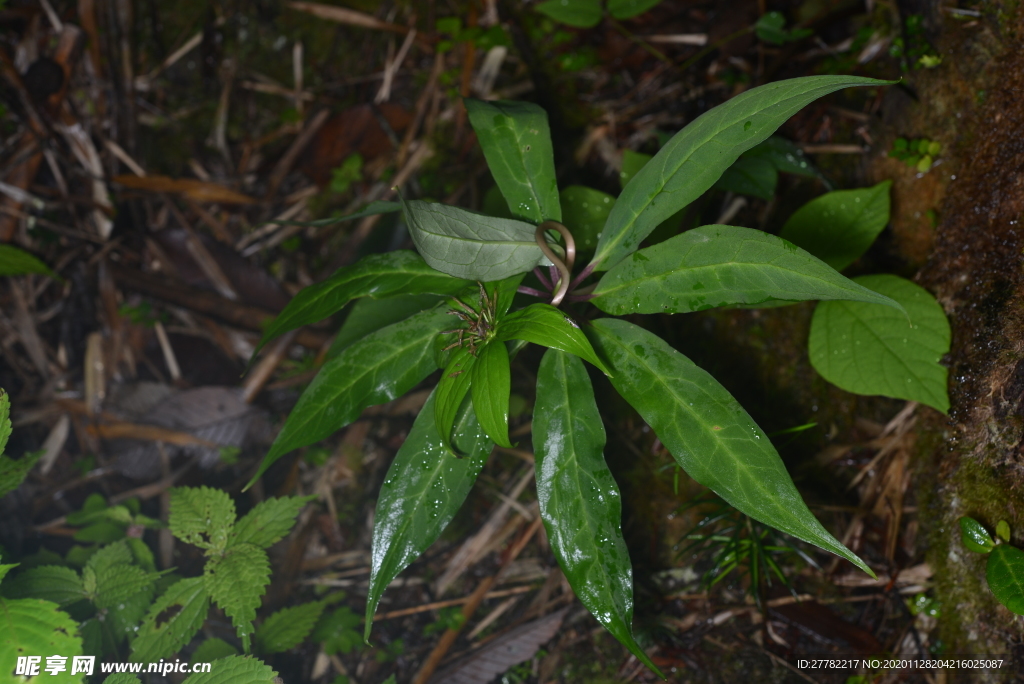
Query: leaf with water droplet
{"points": [[401, 529], [744, 471], [974, 536], [1005, 574], [579, 499]]}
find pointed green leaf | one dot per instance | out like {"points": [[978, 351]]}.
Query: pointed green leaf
{"points": [[288, 627], [578, 13], [579, 499], [698, 155], [974, 536], [49, 582], [722, 266], [1005, 574], [707, 432], [785, 156], [268, 521], [471, 246], [370, 315], [378, 368], [584, 212], [516, 142], [172, 621], [839, 226], [422, 491], [202, 516], [492, 385], [871, 349], [452, 389], [14, 261], [377, 276], [545, 325], [236, 582], [626, 9], [236, 670], [34, 627]]}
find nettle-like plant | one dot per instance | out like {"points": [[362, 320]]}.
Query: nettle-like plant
{"points": [[471, 266]]}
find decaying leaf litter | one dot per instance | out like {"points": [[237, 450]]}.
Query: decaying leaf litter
{"points": [[172, 166]]}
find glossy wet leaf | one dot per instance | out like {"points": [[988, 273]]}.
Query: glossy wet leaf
{"points": [[584, 211], [377, 276], [452, 390], [754, 176], [579, 499], [625, 9], [491, 388], [839, 226], [578, 13], [516, 142], [370, 315], [14, 261], [545, 325], [378, 368], [707, 431], [871, 349], [472, 246], [722, 266], [974, 535], [785, 156], [1005, 574], [698, 155], [422, 491]]}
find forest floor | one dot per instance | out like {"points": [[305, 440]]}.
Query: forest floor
{"points": [[170, 161]]}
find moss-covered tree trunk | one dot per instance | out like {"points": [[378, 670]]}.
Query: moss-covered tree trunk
{"points": [[973, 260]]}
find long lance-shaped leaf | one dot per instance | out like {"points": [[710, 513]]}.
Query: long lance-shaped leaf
{"points": [[452, 390], [471, 246], [377, 276], [491, 386], [545, 325], [516, 142], [707, 431], [696, 156], [380, 367], [423, 489], [579, 499], [722, 266]]}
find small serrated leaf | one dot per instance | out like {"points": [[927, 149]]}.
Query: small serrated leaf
{"points": [[268, 522], [121, 582], [172, 621], [235, 670], [974, 535], [50, 582], [236, 582], [288, 627], [202, 516], [34, 627], [121, 678], [212, 649]]}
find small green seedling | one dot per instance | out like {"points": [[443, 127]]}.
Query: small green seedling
{"points": [[1004, 569], [12, 471], [917, 154]]}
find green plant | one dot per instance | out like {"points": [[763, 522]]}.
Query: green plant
{"points": [[119, 597], [12, 471], [771, 28], [917, 154], [476, 264], [14, 261], [1004, 569]]}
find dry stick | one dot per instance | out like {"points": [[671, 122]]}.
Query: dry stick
{"points": [[437, 605], [298, 146], [211, 269], [477, 597], [421, 109], [265, 368]]}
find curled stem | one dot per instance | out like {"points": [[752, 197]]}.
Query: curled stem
{"points": [[564, 267]]}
